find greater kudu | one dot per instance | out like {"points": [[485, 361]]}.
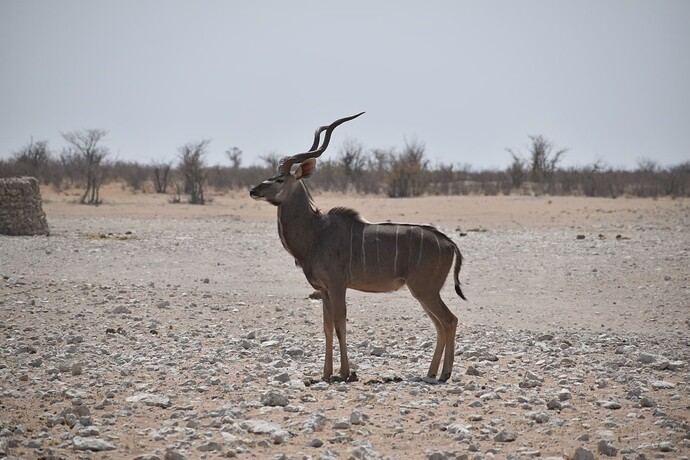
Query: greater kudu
{"points": [[339, 250]]}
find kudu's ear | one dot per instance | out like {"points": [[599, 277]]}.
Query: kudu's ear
{"points": [[306, 168]]}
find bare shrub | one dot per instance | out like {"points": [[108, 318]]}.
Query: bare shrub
{"points": [[516, 170], [353, 161], [33, 158], [88, 159], [541, 160], [678, 183], [193, 169], [10, 168], [441, 179], [228, 177], [406, 176], [590, 178], [376, 172], [271, 160], [647, 183], [251, 175], [331, 177], [161, 176], [134, 175], [235, 156]]}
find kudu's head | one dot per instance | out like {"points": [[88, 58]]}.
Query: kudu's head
{"points": [[278, 188]]}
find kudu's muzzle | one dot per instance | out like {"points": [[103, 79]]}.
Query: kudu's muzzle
{"points": [[255, 191]]}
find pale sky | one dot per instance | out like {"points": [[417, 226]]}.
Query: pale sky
{"points": [[608, 79]]}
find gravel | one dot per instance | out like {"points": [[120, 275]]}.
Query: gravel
{"points": [[180, 343]]}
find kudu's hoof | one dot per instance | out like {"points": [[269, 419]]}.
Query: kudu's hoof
{"points": [[352, 377]]}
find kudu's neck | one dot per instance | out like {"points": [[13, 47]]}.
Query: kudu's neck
{"points": [[297, 223]]}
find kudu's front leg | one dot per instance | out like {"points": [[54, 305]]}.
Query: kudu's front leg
{"points": [[328, 327]]}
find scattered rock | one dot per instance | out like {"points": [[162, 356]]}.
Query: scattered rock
{"points": [[583, 454], [459, 432], [505, 436], [172, 454], [472, 370], [273, 398], [342, 424], [210, 447], [667, 446], [662, 385], [357, 418], [92, 444], [610, 405], [147, 457], [604, 447], [531, 380], [150, 400], [554, 404]]}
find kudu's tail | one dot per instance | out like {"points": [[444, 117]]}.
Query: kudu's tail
{"points": [[456, 271]]}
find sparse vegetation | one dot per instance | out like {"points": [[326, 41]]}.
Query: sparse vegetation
{"points": [[396, 173]]}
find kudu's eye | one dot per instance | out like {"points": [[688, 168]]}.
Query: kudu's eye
{"points": [[280, 180]]}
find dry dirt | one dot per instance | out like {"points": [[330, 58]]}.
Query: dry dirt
{"points": [[145, 329]]}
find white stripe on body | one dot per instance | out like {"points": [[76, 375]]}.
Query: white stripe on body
{"points": [[351, 236], [438, 261], [421, 245], [395, 261], [364, 257], [378, 250]]}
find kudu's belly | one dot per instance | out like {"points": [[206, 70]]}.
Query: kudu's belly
{"points": [[376, 285]]}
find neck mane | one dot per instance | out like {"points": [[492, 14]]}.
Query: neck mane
{"points": [[297, 217]]}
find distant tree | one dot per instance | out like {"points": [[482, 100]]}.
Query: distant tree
{"points": [[193, 169], [516, 170], [407, 170], [541, 159], [84, 151], [271, 159], [353, 161], [443, 178], [648, 176], [134, 174], [161, 176], [678, 183], [591, 178], [648, 166], [33, 158], [235, 156]]}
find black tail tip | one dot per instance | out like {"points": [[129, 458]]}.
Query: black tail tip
{"points": [[459, 291]]}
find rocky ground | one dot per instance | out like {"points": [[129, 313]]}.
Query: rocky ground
{"points": [[192, 336]]}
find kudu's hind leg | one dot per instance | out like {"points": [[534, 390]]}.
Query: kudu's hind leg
{"points": [[328, 327], [440, 345], [450, 327], [446, 324]]}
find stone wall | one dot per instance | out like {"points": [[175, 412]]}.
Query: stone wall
{"points": [[21, 210]]}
